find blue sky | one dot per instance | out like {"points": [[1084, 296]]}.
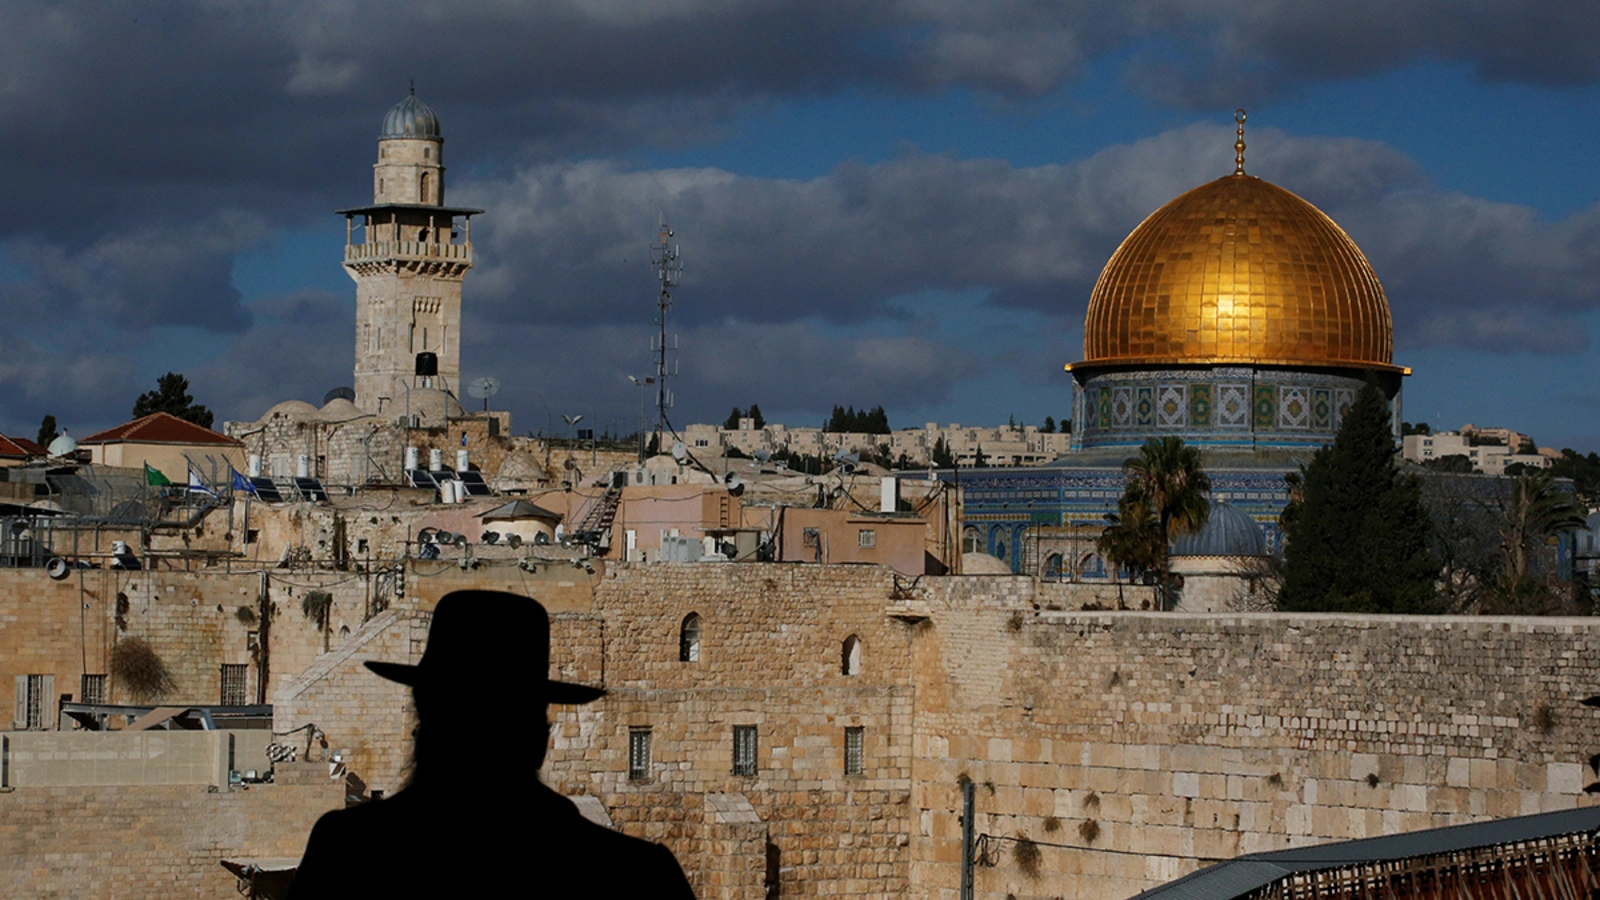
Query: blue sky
{"points": [[901, 204]]}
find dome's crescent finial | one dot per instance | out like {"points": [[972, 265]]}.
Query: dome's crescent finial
{"points": [[1238, 146]]}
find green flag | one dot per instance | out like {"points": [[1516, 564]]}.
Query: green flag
{"points": [[154, 476]]}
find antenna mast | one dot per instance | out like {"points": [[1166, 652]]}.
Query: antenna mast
{"points": [[665, 257]]}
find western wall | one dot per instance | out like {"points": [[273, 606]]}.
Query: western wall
{"points": [[1108, 751]]}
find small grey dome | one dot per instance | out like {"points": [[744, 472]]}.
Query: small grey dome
{"points": [[410, 118], [1227, 532]]}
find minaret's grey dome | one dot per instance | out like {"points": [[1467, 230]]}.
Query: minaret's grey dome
{"points": [[410, 118]]}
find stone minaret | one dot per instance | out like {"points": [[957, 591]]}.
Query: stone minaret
{"points": [[407, 258]]}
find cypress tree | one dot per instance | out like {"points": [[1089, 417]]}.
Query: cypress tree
{"points": [[1361, 539]]}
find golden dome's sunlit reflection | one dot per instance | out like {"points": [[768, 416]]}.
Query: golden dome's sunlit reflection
{"points": [[1239, 271]]}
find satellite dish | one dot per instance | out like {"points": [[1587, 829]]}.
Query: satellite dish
{"points": [[735, 483], [339, 393], [844, 457], [56, 568], [763, 455], [679, 451], [62, 445], [483, 388]]}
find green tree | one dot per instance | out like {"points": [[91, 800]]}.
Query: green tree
{"points": [[1167, 482], [979, 460], [733, 420], [1536, 510], [941, 457], [759, 420], [1049, 426], [48, 431], [1457, 463], [1361, 539], [1133, 539], [1407, 428], [172, 396]]}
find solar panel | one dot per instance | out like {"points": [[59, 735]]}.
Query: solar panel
{"points": [[421, 478], [476, 486], [311, 489], [266, 489]]}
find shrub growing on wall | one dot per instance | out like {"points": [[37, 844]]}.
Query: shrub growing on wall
{"points": [[136, 666]]}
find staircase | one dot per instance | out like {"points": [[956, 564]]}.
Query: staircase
{"points": [[595, 526]]}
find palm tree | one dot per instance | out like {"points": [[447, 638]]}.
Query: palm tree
{"points": [[1536, 511], [1166, 480]]}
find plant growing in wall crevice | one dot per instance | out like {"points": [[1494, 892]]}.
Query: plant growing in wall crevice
{"points": [[136, 666]]}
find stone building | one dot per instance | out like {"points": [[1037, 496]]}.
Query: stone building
{"points": [[408, 262]]}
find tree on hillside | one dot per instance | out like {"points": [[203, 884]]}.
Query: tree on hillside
{"points": [[48, 431], [1457, 463], [733, 420], [172, 396], [1167, 484], [756, 418], [1361, 537]]}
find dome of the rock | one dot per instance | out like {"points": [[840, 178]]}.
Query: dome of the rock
{"points": [[1239, 271]]}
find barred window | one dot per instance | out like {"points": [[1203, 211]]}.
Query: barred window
{"points": [[852, 750], [234, 676], [868, 537], [94, 689], [744, 749], [638, 753], [33, 694]]}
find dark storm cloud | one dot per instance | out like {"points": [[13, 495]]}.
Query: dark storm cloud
{"points": [[137, 278], [567, 243], [300, 348]]}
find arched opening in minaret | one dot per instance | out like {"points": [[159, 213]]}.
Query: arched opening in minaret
{"points": [[423, 195]]}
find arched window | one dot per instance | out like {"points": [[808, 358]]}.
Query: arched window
{"points": [[850, 657], [1092, 566], [971, 541], [1052, 567], [689, 639], [423, 194]]}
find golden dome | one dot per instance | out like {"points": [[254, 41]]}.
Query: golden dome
{"points": [[1239, 271]]}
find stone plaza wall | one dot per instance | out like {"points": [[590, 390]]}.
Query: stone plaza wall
{"points": [[136, 841], [1131, 748], [770, 655]]}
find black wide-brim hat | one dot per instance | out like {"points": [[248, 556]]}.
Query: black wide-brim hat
{"points": [[476, 634]]}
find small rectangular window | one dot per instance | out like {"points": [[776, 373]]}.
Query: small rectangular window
{"points": [[94, 689], [744, 749], [233, 684], [638, 753], [852, 750], [869, 537]]}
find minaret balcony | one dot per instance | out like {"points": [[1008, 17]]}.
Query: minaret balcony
{"points": [[408, 251]]}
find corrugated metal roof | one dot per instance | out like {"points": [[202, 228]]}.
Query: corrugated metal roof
{"points": [[1240, 876]]}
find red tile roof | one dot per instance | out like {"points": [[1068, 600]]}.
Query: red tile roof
{"points": [[159, 428], [19, 447]]}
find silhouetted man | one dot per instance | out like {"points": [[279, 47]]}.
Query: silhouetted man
{"points": [[474, 820]]}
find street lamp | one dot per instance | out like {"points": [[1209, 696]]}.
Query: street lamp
{"points": [[640, 383]]}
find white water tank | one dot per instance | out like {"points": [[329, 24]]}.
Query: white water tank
{"points": [[889, 494], [461, 460], [436, 460], [254, 465], [411, 457], [302, 466]]}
